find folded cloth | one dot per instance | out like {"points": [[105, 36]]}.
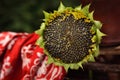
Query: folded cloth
{"points": [[22, 59]]}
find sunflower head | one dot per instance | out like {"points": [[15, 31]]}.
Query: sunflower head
{"points": [[70, 36]]}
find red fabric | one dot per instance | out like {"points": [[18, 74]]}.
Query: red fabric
{"points": [[21, 59]]}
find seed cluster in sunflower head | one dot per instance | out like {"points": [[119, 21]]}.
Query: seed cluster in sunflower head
{"points": [[70, 36]]}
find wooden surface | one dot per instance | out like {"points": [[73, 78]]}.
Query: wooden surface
{"points": [[110, 50], [103, 67]]}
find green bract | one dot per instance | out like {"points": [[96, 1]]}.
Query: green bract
{"points": [[70, 36]]}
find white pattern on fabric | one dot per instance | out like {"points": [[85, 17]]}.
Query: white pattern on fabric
{"points": [[10, 45], [5, 41], [34, 68], [5, 37], [32, 60], [24, 51], [6, 68], [42, 69]]}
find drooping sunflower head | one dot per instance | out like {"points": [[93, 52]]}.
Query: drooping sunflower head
{"points": [[70, 36]]}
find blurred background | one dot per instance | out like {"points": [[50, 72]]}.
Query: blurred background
{"points": [[27, 15]]}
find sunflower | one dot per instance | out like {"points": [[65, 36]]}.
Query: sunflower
{"points": [[70, 36]]}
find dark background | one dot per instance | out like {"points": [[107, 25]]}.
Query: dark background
{"points": [[27, 15]]}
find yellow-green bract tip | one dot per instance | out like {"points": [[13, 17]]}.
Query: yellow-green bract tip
{"points": [[66, 67], [61, 7], [91, 58], [80, 65], [40, 32], [90, 15], [96, 51], [94, 38], [78, 7], [98, 24], [85, 9], [99, 35], [73, 66], [41, 43], [42, 28], [46, 14]]}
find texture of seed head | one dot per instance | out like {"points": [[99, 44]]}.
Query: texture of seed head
{"points": [[70, 36], [68, 39]]}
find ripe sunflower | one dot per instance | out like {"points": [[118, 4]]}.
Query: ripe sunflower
{"points": [[70, 36]]}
